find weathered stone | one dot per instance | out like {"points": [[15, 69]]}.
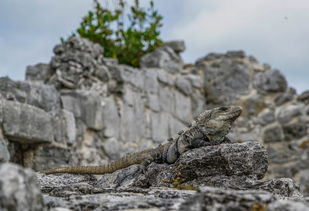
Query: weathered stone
{"points": [[9, 90], [196, 80], [183, 85], [177, 45], [85, 105], [288, 205], [122, 73], [282, 186], [182, 110], [226, 81], [128, 131], [111, 119], [18, 189], [97, 195], [165, 78], [273, 133], [163, 57], [266, 117], [253, 105], [26, 124], [151, 80], [38, 72], [286, 113], [294, 131], [197, 104], [4, 152], [285, 97], [159, 126], [270, 81], [64, 127], [36, 94], [42, 96], [166, 99], [235, 54], [217, 199], [129, 94], [249, 158], [201, 165], [304, 97], [70, 126], [50, 156], [102, 73], [153, 102]]}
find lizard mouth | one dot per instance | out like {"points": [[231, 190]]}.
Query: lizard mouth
{"points": [[233, 114]]}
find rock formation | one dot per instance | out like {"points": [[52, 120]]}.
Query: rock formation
{"points": [[82, 108]]}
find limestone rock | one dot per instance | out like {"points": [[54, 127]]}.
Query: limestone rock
{"points": [[199, 166], [18, 189], [270, 81], [177, 45], [304, 97], [32, 93], [287, 113], [163, 57], [273, 133], [26, 124], [225, 79], [38, 72], [184, 85], [4, 153], [218, 199], [85, 105], [294, 131]]}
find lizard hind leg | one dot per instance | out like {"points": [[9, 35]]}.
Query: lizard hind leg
{"points": [[144, 164]]}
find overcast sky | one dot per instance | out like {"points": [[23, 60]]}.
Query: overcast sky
{"points": [[274, 31]]}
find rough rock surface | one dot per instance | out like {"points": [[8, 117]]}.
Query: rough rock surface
{"points": [[18, 189], [84, 109], [236, 167]]}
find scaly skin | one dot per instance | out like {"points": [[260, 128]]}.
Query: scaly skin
{"points": [[210, 127]]}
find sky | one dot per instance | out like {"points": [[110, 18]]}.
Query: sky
{"points": [[275, 32]]}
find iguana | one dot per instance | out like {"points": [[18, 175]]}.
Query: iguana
{"points": [[210, 127]]}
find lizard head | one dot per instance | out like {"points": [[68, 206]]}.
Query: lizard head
{"points": [[217, 122]]}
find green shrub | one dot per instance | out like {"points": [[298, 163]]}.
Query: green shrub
{"points": [[124, 35]]}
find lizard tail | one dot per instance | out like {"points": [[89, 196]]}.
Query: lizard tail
{"points": [[81, 170], [124, 162]]}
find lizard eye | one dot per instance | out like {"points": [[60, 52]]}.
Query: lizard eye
{"points": [[223, 108]]}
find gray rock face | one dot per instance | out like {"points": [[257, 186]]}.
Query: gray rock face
{"points": [[84, 109], [225, 79], [18, 189], [218, 199], [270, 81], [88, 106], [32, 93], [198, 166], [294, 131], [304, 97], [273, 133], [286, 113], [4, 153], [26, 124], [233, 166], [38, 72], [163, 57]]}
